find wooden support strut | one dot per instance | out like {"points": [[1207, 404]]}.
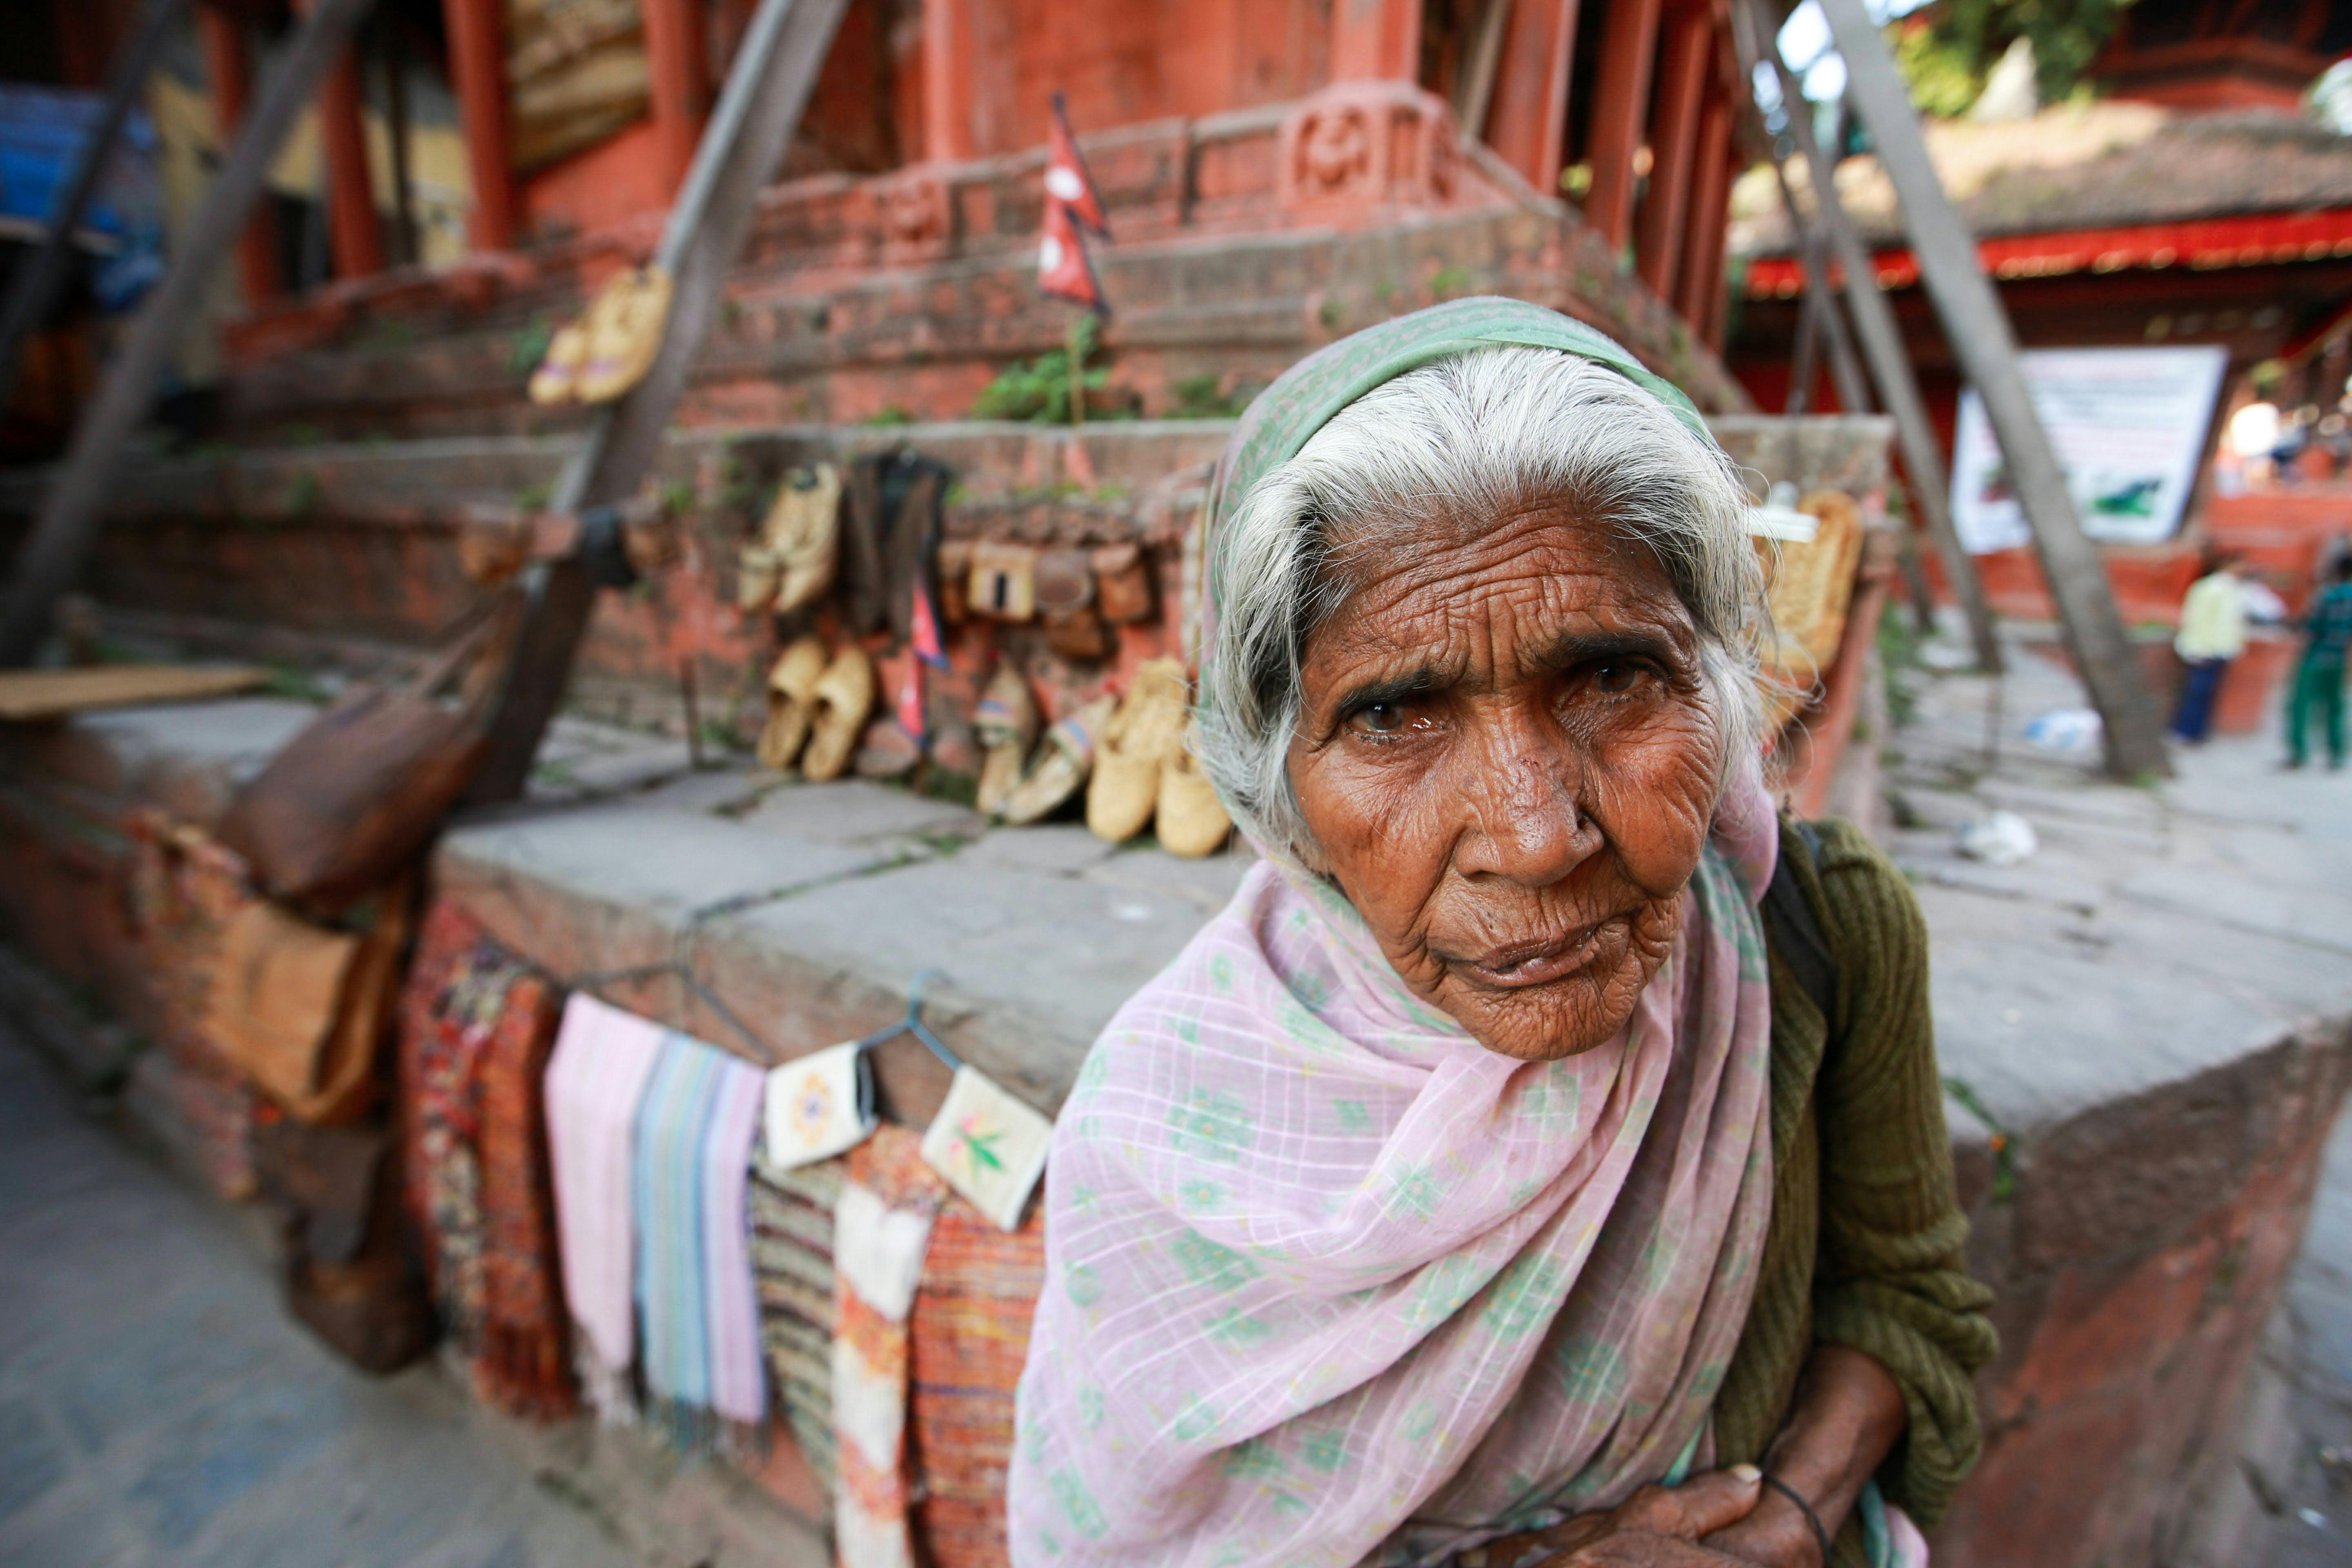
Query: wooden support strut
{"points": [[71, 512], [775, 70], [1882, 345], [1629, 40], [477, 64], [1978, 328], [229, 74], [1674, 131]]}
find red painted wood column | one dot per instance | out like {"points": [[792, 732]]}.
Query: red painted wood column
{"points": [[1527, 123], [478, 69], [1375, 40], [354, 237], [229, 70], [1689, 50], [1629, 46], [947, 79], [680, 81], [1700, 277]]}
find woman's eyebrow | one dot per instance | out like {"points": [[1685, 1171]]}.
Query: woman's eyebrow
{"points": [[1572, 649], [1418, 682]]}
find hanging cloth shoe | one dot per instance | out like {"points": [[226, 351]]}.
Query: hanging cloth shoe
{"points": [[792, 703], [1062, 764], [844, 696], [557, 379], [1006, 720], [1149, 728], [1192, 819], [624, 333], [803, 533]]}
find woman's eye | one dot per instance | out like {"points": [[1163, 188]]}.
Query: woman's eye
{"points": [[1380, 718], [1616, 680]]}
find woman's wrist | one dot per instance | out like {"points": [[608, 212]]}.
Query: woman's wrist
{"points": [[1814, 1532]]}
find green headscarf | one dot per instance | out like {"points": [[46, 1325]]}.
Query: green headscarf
{"points": [[1284, 417]]}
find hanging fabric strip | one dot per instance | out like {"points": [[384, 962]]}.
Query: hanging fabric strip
{"points": [[598, 1073]]}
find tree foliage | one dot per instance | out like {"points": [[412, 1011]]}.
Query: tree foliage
{"points": [[1947, 49]]}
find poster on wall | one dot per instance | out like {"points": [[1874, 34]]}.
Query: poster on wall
{"points": [[2128, 425]]}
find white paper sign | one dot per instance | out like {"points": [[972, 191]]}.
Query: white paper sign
{"points": [[2128, 425]]}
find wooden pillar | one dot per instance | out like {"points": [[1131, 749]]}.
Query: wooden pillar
{"points": [[947, 79], [680, 80], [230, 72], [1528, 121], [1376, 40], [478, 70], [354, 238], [1629, 46], [1688, 52], [1700, 277]]}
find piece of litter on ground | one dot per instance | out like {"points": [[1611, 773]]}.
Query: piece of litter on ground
{"points": [[1130, 911], [2070, 730], [2003, 838], [1945, 655], [2312, 1516]]}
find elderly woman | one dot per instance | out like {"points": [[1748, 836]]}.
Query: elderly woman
{"points": [[1503, 1177]]}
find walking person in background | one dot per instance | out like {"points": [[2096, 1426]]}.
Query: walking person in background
{"points": [[2212, 633], [2319, 679]]}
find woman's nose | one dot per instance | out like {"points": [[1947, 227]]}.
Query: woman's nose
{"points": [[1525, 823]]}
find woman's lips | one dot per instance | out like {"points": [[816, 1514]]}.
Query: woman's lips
{"points": [[1537, 963]]}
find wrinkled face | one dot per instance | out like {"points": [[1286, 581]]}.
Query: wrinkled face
{"points": [[1508, 762]]}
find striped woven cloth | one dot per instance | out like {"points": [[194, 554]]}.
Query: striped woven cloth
{"points": [[695, 1125], [792, 1266]]}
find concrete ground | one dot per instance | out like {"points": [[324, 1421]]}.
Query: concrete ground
{"points": [[157, 1405]]}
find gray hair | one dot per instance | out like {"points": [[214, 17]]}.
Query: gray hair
{"points": [[1476, 436]]}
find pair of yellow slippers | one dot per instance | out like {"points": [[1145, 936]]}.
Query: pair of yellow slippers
{"points": [[1147, 771], [817, 704], [1134, 759], [609, 349]]}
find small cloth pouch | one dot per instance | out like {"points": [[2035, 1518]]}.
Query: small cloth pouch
{"points": [[990, 1146], [819, 1106]]}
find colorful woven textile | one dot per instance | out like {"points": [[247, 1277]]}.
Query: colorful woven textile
{"points": [[475, 1028], [695, 1124], [792, 1266], [883, 1223], [594, 1079], [969, 1335], [739, 1375]]}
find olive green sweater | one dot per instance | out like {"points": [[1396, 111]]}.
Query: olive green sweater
{"points": [[1864, 1248]]}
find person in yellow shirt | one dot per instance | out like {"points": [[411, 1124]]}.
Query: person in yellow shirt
{"points": [[2212, 633]]}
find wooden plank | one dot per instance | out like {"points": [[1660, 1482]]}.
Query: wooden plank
{"points": [[775, 69], [70, 515], [28, 696], [1978, 328], [1882, 344]]}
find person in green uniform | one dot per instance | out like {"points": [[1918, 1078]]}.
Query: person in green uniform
{"points": [[2317, 688]]}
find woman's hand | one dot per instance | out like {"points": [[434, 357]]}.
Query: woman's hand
{"points": [[1659, 1527]]}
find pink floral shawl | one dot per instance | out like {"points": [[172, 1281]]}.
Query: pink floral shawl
{"points": [[1329, 1282]]}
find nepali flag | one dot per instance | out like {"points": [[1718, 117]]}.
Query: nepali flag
{"points": [[1067, 180], [1072, 206]]}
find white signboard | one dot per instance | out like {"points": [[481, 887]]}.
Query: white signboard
{"points": [[2128, 425]]}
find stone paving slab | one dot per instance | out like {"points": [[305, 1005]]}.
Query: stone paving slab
{"points": [[158, 1407]]}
